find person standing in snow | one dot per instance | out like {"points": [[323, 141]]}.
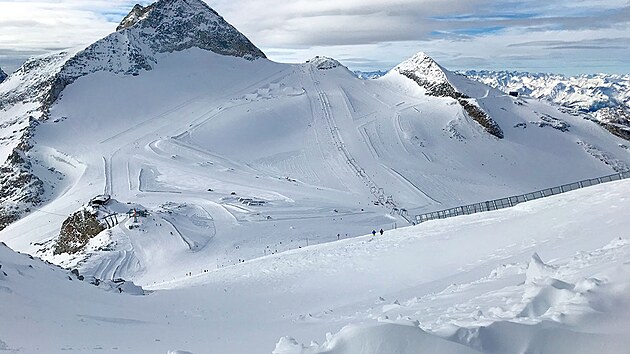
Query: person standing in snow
{"points": [[373, 232], [381, 232]]}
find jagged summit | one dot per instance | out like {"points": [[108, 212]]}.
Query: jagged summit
{"points": [[427, 73], [3, 75], [136, 14], [173, 25]]}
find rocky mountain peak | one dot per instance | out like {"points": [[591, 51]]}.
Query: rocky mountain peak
{"points": [[429, 75], [138, 13], [3, 75], [175, 25], [424, 68]]}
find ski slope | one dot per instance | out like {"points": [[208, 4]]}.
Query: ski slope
{"points": [[324, 155], [548, 276]]}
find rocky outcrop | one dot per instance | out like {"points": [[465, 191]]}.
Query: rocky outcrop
{"points": [[136, 14], [615, 120], [20, 189], [76, 232], [3, 75], [432, 77]]}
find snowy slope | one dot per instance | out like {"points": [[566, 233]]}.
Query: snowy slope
{"points": [[234, 159], [548, 276], [26, 97], [231, 159]]}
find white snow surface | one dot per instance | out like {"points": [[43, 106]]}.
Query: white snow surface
{"points": [[236, 159], [548, 276]]}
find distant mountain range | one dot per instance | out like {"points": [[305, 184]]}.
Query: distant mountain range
{"points": [[604, 98], [588, 93], [369, 75]]}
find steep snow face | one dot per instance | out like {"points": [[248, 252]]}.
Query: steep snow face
{"points": [[163, 27], [3, 75]]}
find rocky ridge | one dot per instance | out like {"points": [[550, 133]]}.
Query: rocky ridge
{"points": [[26, 97], [3, 75], [433, 78]]}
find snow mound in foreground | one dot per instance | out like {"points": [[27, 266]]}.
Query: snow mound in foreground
{"points": [[392, 338]]}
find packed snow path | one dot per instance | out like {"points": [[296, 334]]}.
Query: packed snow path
{"points": [[376, 191]]}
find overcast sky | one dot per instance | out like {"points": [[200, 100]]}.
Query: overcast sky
{"points": [[563, 36]]}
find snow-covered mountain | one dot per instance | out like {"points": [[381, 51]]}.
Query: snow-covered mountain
{"points": [[604, 97], [584, 92], [173, 152], [165, 27], [441, 83]]}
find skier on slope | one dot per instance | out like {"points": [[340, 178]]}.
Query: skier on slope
{"points": [[373, 232], [381, 232]]}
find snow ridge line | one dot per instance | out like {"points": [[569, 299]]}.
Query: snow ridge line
{"points": [[508, 202]]}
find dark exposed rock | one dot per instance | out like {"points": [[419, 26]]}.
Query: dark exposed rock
{"points": [[3, 75], [137, 13], [615, 120], [76, 232], [428, 74], [553, 122], [482, 118]]}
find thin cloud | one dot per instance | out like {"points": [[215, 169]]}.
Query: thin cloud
{"points": [[368, 34]]}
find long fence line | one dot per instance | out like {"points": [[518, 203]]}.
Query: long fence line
{"points": [[502, 203]]}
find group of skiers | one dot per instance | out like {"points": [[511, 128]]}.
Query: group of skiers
{"points": [[380, 232]]}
